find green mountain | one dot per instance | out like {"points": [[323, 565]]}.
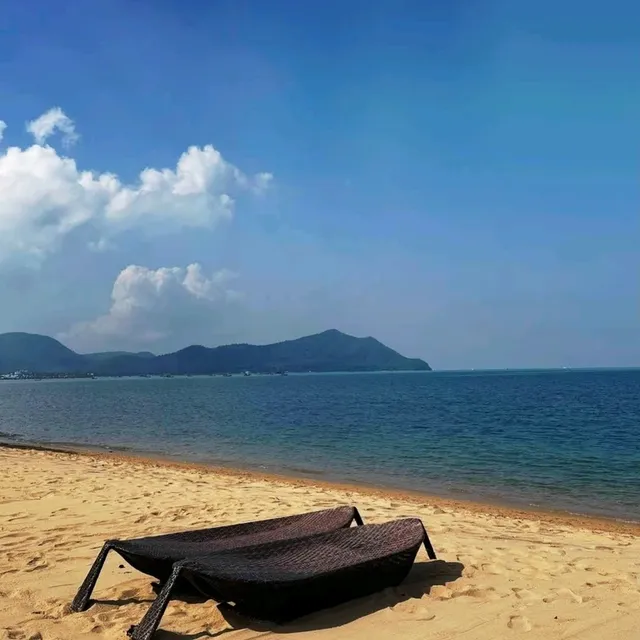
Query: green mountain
{"points": [[327, 351], [37, 353], [107, 355]]}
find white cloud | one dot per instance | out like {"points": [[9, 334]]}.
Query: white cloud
{"points": [[44, 197], [3, 126], [150, 306], [195, 194], [48, 123], [263, 182]]}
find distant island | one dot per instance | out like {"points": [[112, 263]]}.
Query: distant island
{"points": [[33, 355]]}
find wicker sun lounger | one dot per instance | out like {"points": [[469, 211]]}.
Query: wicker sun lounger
{"points": [[283, 580], [156, 555]]}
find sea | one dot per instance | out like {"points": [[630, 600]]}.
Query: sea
{"points": [[561, 440]]}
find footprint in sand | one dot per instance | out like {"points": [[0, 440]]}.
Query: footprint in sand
{"points": [[36, 563], [525, 595], [563, 594], [440, 592], [416, 609], [519, 623], [481, 593], [18, 634], [492, 569], [94, 626], [55, 609]]}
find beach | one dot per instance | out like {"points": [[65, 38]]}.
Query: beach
{"points": [[501, 573]]}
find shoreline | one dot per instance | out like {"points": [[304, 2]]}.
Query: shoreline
{"points": [[499, 573], [600, 524]]}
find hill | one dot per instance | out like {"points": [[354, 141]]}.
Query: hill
{"points": [[107, 355], [327, 351], [37, 353]]}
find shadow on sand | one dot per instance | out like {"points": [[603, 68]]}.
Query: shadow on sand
{"points": [[423, 577]]}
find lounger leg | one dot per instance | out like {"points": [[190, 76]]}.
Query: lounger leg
{"points": [[151, 620], [81, 601], [428, 546], [357, 517]]}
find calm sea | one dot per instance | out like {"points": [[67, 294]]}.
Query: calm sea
{"points": [[567, 440]]}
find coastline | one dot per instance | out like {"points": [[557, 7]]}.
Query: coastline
{"points": [[402, 433], [499, 573], [494, 509]]}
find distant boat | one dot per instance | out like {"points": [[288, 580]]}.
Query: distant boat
{"points": [[247, 373]]}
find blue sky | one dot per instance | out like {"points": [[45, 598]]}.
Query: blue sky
{"points": [[458, 179]]}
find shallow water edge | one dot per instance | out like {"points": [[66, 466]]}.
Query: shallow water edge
{"points": [[549, 516]]}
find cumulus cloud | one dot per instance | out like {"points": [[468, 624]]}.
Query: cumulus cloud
{"points": [[195, 194], [48, 123], [3, 126], [44, 196], [150, 306]]}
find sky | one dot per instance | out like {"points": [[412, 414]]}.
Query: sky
{"points": [[457, 178]]}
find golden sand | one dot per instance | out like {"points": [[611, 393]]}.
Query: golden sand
{"points": [[501, 573]]}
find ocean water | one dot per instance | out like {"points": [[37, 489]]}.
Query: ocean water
{"points": [[567, 440]]}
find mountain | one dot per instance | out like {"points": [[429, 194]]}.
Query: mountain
{"points": [[327, 351], [107, 355], [37, 353]]}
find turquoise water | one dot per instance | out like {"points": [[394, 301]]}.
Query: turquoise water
{"points": [[563, 439]]}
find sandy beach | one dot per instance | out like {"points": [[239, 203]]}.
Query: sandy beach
{"points": [[501, 573]]}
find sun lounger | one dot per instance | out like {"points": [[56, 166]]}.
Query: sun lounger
{"points": [[156, 555], [283, 580]]}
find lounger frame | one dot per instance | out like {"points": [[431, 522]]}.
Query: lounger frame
{"points": [[284, 580], [156, 555]]}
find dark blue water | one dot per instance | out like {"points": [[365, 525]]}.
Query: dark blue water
{"points": [[565, 440]]}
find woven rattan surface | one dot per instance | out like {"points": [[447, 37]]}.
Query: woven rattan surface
{"points": [[283, 580], [303, 558], [156, 555]]}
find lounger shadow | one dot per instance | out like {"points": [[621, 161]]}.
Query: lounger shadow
{"points": [[156, 555], [419, 582], [284, 580]]}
